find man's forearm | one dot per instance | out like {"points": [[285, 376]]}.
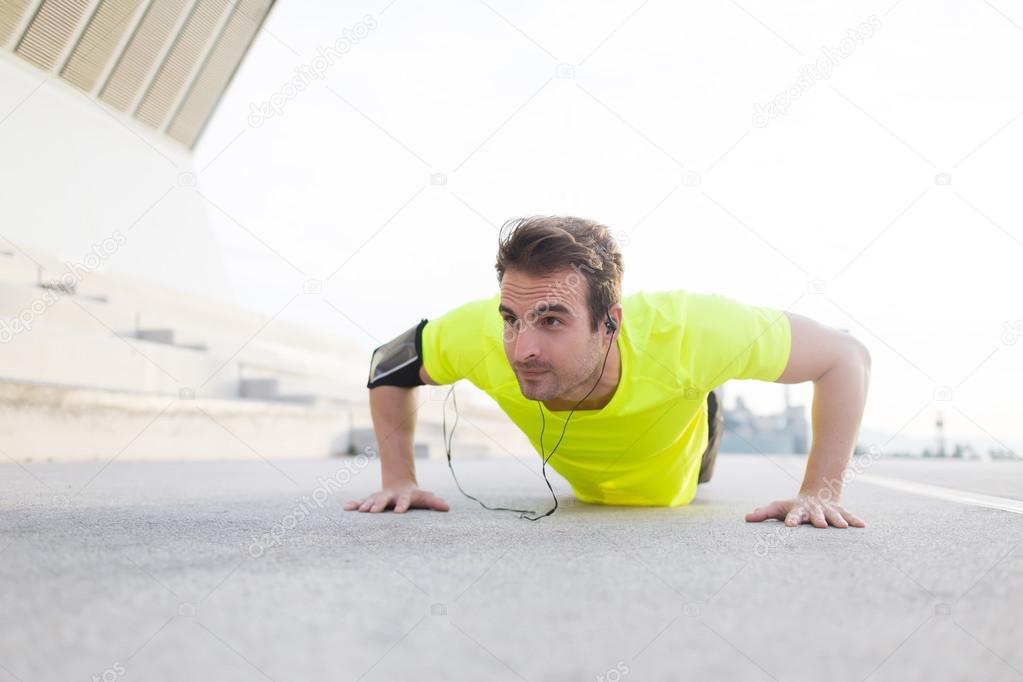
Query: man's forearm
{"points": [[394, 421], [839, 396]]}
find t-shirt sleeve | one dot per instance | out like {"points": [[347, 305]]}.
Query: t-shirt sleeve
{"points": [[456, 343], [728, 339]]}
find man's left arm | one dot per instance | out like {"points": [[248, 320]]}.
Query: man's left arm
{"points": [[839, 367]]}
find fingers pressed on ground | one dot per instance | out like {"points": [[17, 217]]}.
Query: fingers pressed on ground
{"points": [[774, 510], [853, 520], [762, 514], [835, 518], [817, 517], [402, 503]]}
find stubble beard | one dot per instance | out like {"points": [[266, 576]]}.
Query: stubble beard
{"points": [[553, 385]]}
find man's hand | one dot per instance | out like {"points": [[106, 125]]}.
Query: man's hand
{"points": [[402, 496], [807, 508]]}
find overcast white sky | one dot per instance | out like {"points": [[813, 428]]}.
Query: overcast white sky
{"points": [[640, 115]]}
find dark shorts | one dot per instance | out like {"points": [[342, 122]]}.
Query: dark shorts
{"points": [[715, 425]]}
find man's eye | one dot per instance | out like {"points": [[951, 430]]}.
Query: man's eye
{"points": [[509, 320], [552, 319]]}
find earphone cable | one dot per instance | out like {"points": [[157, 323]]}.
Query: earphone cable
{"points": [[523, 513]]}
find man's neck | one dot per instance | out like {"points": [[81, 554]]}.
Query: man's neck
{"points": [[604, 391]]}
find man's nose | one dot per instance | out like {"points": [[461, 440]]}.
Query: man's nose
{"points": [[525, 346]]}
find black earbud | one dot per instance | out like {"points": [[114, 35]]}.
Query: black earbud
{"points": [[610, 324]]}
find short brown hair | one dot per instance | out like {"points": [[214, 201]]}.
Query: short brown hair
{"points": [[542, 244]]}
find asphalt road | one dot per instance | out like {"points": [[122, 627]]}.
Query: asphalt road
{"points": [[251, 571]]}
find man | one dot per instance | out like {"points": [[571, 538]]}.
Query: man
{"points": [[638, 371]]}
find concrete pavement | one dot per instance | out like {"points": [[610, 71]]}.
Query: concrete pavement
{"points": [[251, 571]]}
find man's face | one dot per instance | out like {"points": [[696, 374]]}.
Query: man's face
{"points": [[547, 335]]}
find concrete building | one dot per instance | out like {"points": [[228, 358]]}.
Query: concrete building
{"points": [[117, 317], [786, 432]]}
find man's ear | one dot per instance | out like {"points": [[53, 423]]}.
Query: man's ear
{"points": [[615, 311]]}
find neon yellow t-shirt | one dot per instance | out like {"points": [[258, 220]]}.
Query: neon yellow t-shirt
{"points": [[644, 447]]}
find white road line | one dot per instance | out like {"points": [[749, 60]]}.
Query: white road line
{"points": [[942, 493]]}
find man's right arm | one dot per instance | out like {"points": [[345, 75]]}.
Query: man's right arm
{"points": [[393, 409]]}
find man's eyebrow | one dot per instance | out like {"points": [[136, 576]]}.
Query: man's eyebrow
{"points": [[542, 309]]}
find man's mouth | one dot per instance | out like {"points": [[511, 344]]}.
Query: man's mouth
{"points": [[532, 372]]}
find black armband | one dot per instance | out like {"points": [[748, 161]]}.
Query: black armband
{"points": [[397, 362]]}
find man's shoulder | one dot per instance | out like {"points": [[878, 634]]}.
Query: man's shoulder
{"points": [[469, 325], [680, 303], [666, 303], [675, 312], [461, 342]]}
